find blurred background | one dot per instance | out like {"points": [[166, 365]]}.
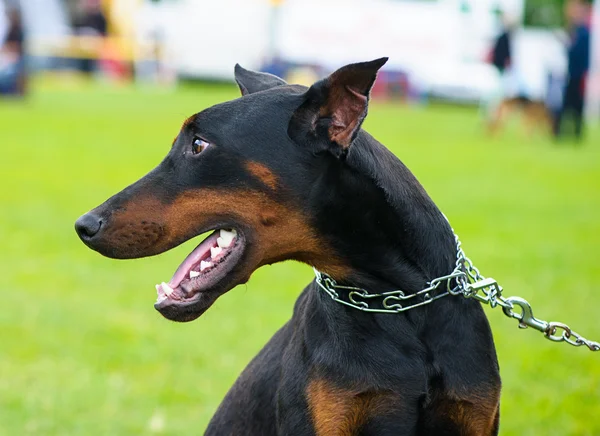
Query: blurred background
{"points": [[493, 104]]}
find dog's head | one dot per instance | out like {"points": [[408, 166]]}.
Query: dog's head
{"points": [[248, 170]]}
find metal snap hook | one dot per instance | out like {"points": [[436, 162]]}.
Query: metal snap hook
{"points": [[525, 318]]}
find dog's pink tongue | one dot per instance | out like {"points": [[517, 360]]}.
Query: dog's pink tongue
{"points": [[200, 252]]}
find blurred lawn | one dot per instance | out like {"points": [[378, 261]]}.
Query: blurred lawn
{"points": [[82, 351]]}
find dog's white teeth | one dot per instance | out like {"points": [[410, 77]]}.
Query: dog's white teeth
{"points": [[166, 288], [204, 265], [226, 237], [194, 274], [160, 294], [161, 298], [215, 251], [222, 243]]}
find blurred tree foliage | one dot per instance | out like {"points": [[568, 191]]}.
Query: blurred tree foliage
{"points": [[544, 13]]}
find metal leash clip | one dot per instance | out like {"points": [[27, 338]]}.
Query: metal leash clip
{"points": [[525, 317]]}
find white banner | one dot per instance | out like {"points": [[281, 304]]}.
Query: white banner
{"points": [[207, 38]]}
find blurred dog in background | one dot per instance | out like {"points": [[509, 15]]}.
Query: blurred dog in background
{"points": [[534, 113]]}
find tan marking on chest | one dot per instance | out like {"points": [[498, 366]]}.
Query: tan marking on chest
{"points": [[338, 411], [475, 414]]}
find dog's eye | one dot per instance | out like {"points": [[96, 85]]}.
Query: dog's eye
{"points": [[199, 145]]}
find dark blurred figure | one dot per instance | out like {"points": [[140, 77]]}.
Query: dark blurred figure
{"points": [[501, 52], [13, 77], [577, 14], [91, 22]]}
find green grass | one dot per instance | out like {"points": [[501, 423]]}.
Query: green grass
{"points": [[82, 351]]}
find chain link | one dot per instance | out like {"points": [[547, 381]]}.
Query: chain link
{"points": [[465, 280]]}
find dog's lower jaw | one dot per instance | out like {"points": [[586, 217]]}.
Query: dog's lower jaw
{"points": [[190, 309], [186, 311]]}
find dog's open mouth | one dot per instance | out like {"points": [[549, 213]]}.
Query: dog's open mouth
{"points": [[203, 268]]}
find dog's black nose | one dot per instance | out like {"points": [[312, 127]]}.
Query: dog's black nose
{"points": [[88, 225]]}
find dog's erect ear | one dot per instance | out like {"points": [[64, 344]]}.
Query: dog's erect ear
{"points": [[336, 106], [252, 81]]}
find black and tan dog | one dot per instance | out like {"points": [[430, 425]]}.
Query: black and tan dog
{"points": [[534, 113], [285, 172]]}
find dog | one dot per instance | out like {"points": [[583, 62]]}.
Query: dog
{"points": [[287, 172], [535, 115]]}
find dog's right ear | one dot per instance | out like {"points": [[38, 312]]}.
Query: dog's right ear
{"points": [[252, 81]]}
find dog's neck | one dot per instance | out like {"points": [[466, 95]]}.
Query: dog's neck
{"points": [[391, 231]]}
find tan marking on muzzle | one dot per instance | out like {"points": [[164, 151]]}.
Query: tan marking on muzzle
{"points": [[279, 232]]}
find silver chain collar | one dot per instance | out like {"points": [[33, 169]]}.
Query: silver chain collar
{"points": [[465, 280]]}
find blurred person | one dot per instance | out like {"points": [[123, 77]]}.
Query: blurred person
{"points": [[92, 22], [577, 13], [13, 78], [500, 56], [554, 96], [509, 88], [501, 52], [523, 81]]}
